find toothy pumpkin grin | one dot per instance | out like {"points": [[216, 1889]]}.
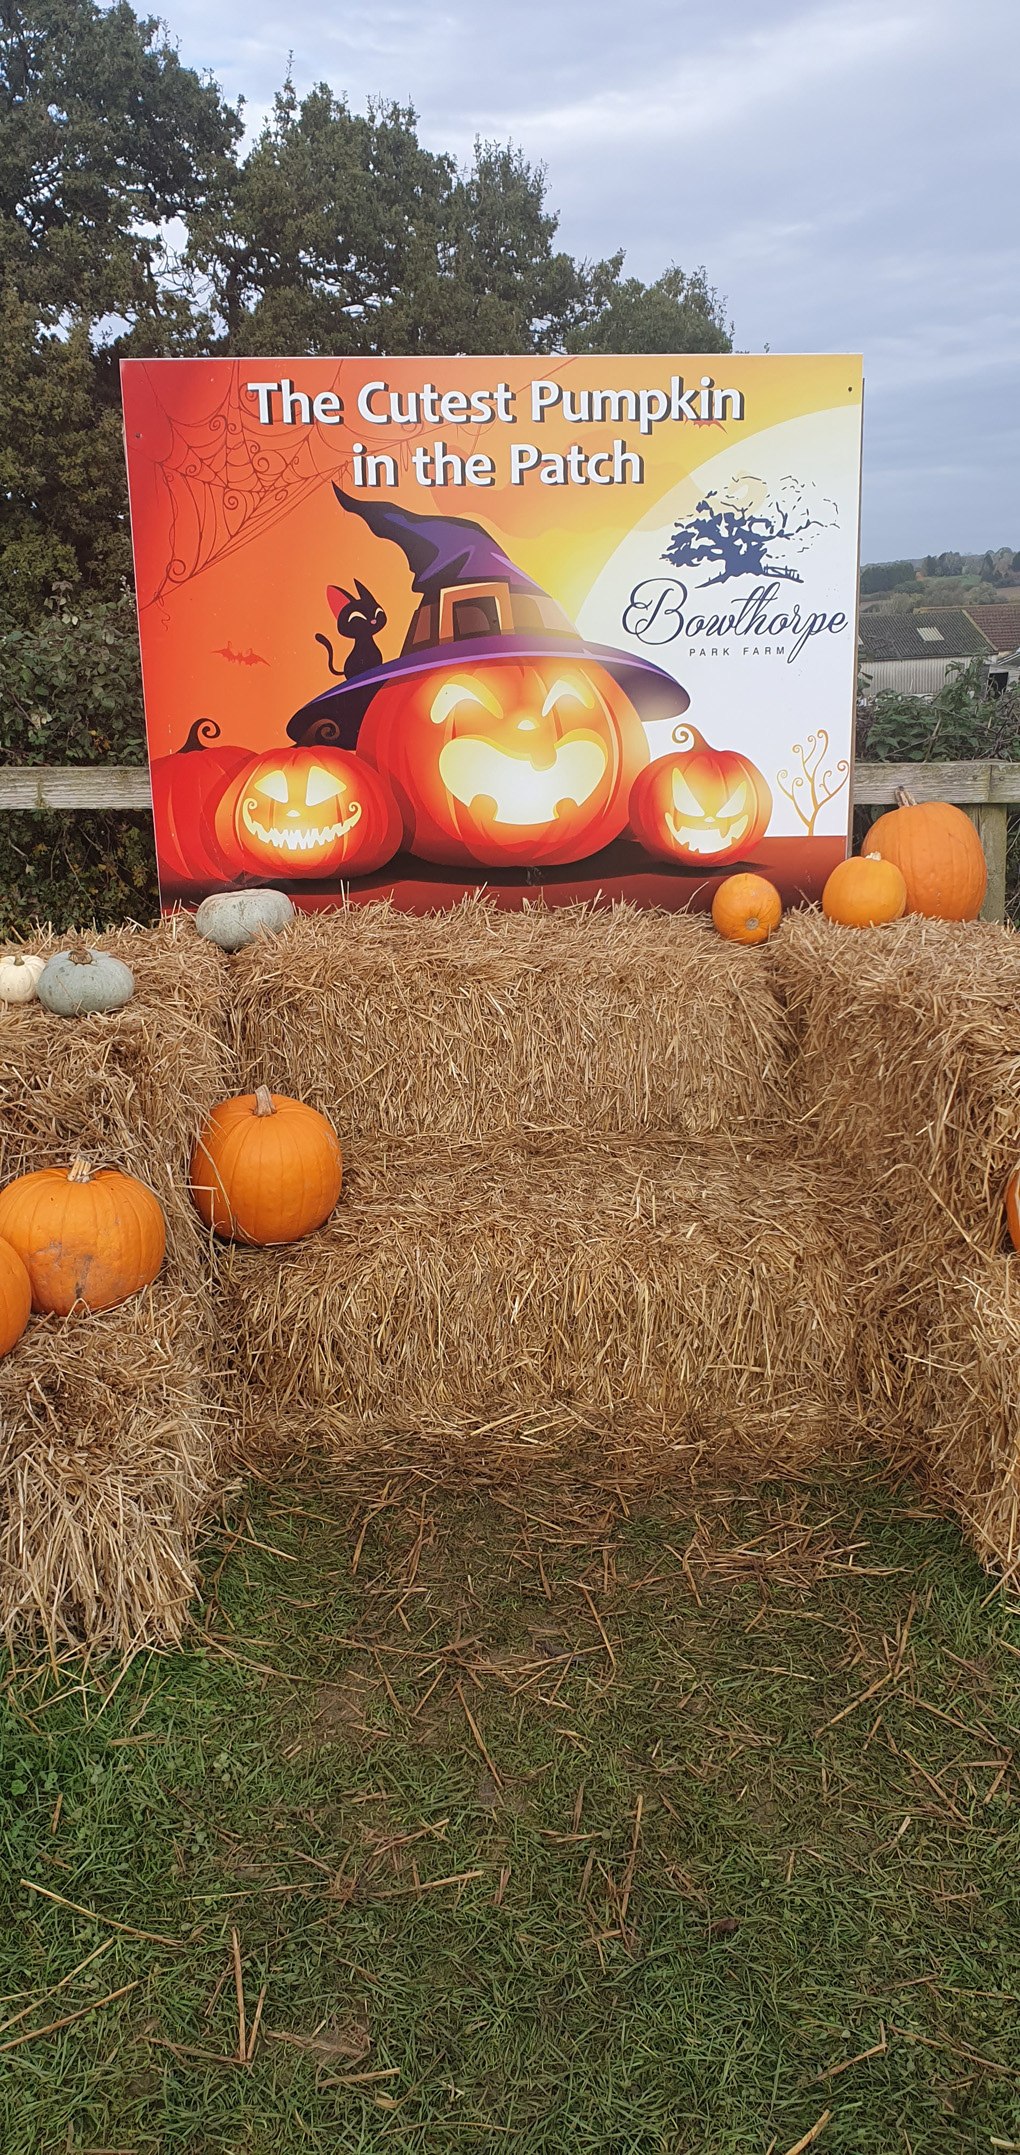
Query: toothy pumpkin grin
{"points": [[475, 770], [294, 839], [269, 812], [699, 804]]}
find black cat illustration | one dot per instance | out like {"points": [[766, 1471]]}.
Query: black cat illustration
{"points": [[360, 618]]}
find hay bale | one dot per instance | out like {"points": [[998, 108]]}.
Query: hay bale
{"points": [[941, 1387], [109, 1425], [908, 1065], [109, 1458], [908, 1061], [130, 1089], [476, 1020], [527, 1288]]}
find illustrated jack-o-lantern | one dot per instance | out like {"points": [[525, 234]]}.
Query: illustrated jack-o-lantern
{"points": [[506, 762], [309, 812], [508, 739], [699, 804], [185, 789]]}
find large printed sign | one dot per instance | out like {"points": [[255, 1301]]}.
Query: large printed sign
{"points": [[579, 626]]}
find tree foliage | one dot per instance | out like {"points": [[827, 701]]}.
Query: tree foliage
{"points": [[131, 224], [887, 576]]}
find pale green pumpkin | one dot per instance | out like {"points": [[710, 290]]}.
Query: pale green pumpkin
{"points": [[235, 917], [81, 982]]}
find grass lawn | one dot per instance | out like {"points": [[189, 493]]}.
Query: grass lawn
{"points": [[523, 1819]]}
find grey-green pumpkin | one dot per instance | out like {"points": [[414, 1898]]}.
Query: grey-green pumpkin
{"points": [[79, 982], [233, 918]]}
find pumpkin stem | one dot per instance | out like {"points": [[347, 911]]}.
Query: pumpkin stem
{"points": [[79, 1171], [79, 952], [264, 1101], [904, 799]]}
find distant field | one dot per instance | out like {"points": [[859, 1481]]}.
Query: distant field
{"points": [[541, 1824]]}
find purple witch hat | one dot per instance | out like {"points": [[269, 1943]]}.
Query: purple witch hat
{"points": [[469, 591]]}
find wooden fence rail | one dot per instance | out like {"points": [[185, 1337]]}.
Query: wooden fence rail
{"points": [[984, 790]]}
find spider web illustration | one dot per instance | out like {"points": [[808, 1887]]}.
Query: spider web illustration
{"points": [[227, 479]]}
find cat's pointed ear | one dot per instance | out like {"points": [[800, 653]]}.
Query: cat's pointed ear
{"points": [[337, 599], [365, 595]]}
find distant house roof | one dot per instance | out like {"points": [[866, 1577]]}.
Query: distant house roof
{"points": [[1001, 625], [947, 634]]}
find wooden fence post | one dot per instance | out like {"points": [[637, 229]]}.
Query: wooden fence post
{"points": [[989, 820]]}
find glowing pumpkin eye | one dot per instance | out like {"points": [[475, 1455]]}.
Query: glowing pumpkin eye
{"points": [[455, 692], [683, 799], [737, 801], [579, 691], [321, 786], [274, 785]]}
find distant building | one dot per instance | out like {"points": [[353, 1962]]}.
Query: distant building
{"points": [[913, 653], [1001, 625]]}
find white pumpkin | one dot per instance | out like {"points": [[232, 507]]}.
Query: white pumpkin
{"points": [[235, 917], [19, 972]]}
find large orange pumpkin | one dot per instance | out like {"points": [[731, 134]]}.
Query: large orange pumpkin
{"points": [[507, 763], [939, 855], [83, 1237], [185, 790], [746, 908], [266, 1169], [15, 1297], [308, 812], [700, 804], [864, 892]]}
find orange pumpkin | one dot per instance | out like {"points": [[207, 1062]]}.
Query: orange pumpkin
{"points": [[15, 1298], [746, 908], [308, 812], [266, 1169], [939, 855], [1013, 1209], [504, 763], [699, 804], [864, 892], [83, 1237]]}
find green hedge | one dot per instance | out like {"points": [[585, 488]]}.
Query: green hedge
{"points": [[71, 692]]}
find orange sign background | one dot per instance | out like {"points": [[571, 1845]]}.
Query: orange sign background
{"points": [[237, 533]]}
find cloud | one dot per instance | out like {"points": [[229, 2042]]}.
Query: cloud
{"points": [[846, 172]]}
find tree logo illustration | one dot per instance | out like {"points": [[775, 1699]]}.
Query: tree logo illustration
{"points": [[745, 526]]}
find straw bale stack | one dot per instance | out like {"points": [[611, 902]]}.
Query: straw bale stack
{"points": [[108, 1461], [108, 1424], [909, 1061], [909, 1066], [474, 1021], [521, 1286]]}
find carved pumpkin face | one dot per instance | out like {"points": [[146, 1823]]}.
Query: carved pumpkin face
{"points": [[502, 763], [699, 804], [310, 812]]}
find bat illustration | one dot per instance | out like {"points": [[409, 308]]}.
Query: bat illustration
{"points": [[241, 658]]}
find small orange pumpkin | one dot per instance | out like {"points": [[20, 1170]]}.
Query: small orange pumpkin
{"points": [[939, 855], [864, 892], [83, 1237], [15, 1298], [266, 1169], [746, 908], [1013, 1209]]}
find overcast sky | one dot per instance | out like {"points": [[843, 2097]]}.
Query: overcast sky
{"points": [[847, 171]]}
